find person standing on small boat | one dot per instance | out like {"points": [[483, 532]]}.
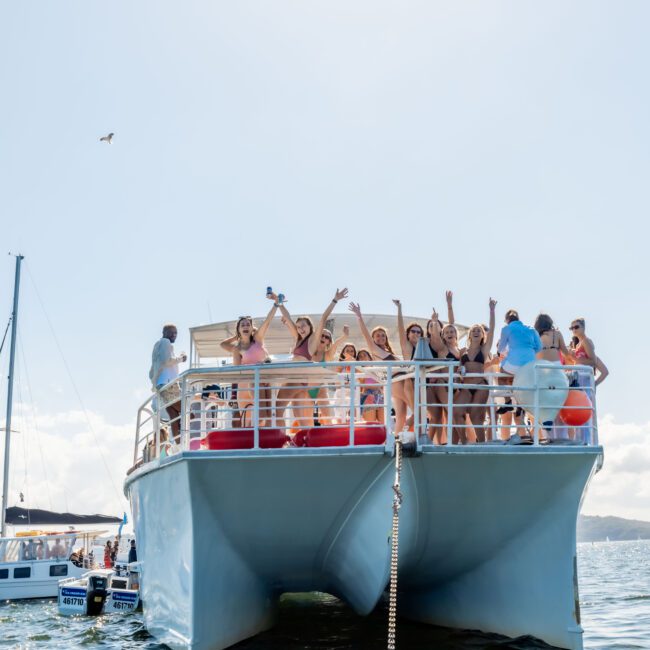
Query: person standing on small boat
{"points": [[133, 554], [164, 369], [108, 552]]}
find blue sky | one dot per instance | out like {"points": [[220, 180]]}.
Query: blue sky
{"points": [[400, 149]]}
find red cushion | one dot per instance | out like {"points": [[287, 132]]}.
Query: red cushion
{"points": [[331, 436], [244, 439]]}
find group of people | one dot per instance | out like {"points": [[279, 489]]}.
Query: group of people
{"points": [[518, 344], [112, 549]]}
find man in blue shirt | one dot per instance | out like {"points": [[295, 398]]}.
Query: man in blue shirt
{"points": [[518, 342]]}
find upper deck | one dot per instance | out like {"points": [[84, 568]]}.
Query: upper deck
{"points": [[351, 406]]}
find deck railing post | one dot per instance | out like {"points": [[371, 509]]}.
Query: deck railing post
{"points": [[156, 424], [450, 406], [353, 392], [594, 415], [256, 410], [388, 420], [417, 399], [535, 406], [137, 437], [184, 415]]}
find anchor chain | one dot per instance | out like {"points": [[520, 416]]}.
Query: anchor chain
{"points": [[397, 503]]}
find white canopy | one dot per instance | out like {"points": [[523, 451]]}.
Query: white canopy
{"points": [[278, 341]]}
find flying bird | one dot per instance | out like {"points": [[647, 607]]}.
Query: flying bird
{"points": [[107, 138]]}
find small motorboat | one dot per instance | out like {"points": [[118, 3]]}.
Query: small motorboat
{"points": [[100, 591]]}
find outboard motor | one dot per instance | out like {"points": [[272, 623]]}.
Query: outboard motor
{"points": [[96, 595]]}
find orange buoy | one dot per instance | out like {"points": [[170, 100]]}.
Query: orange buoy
{"points": [[579, 411]]}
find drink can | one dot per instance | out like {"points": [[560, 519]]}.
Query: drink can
{"points": [[269, 291], [280, 298]]}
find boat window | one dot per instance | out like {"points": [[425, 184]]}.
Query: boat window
{"points": [[23, 572], [4, 574], [58, 570]]}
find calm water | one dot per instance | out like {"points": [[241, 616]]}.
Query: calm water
{"points": [[615, 601]]}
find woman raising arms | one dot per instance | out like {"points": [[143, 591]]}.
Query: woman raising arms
{"points": [[408, 340], [473, 359], [381, 350], [247, 349], [306, 342], [445, 343]]}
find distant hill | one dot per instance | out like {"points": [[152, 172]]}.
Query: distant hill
{"points": [[598, 529]]}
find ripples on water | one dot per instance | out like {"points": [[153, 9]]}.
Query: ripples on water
{"points": [[615, 602]]}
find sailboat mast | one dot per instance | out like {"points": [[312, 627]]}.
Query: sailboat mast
{"points": [[10, 395]]}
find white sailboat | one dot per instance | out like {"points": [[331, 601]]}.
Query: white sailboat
{"points": [[32, 562]]}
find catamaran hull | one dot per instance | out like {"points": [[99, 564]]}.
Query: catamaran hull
{"points": [[487, 538]]}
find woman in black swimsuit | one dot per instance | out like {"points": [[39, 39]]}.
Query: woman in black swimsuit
{"points": [[445, 344], [473, 358]]}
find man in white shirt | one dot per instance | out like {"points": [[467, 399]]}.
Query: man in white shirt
{"points": [[164, 368]]}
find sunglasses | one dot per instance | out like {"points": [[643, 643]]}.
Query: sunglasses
{"points": [[575, 327], [414, 331], [325, 338]]}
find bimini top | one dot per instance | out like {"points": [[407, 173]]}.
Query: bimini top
{"points": [[279, 342]]}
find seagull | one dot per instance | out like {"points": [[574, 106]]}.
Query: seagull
{"points": [[107, 138]]}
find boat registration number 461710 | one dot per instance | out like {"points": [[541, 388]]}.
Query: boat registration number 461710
{"points": [[73, 601], [123, 605]]}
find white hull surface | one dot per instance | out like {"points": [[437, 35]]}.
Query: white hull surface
{"points": [[39, 584], [487, 537]]}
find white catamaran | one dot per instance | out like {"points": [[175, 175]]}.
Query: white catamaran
{"points": [[229, 518]]}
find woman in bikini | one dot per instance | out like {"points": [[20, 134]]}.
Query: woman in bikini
{"points": [[408, 339], [381, 350], [473, 358], [445, 343], [306, 342], [371, 394], [247, 349], [325, 352], [553, 347]]}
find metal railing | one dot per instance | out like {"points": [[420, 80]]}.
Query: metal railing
{"points": [[300, 397]]}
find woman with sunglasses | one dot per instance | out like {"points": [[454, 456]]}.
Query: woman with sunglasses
{"points": [[247, 349], [445, 343], [342, 393], [325, 352], [473, 358], [408, 338], [381, 350], [306, 342]]}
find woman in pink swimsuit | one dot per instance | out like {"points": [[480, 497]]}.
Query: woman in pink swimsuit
{"points": [[247, 349], [307, 340]]}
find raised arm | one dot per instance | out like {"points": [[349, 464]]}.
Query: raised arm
{"points": [[261, 332], [335, 344], [315, 338], [372, 346], [491, 326], [229, 345], [287, 320], [436, 340], [403, 340], [450, 307]]}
